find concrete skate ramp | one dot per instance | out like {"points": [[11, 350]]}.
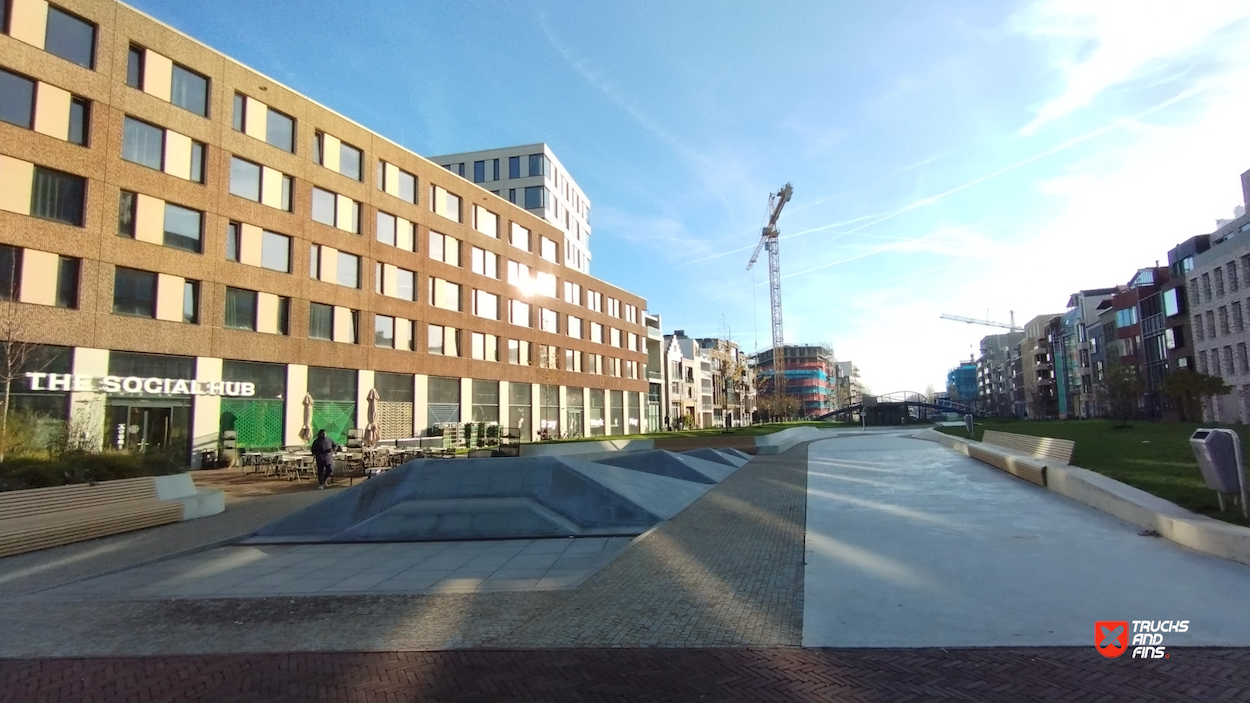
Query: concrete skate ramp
{"points": [[495, 498], [719, 456], [735, 452], [662, 462]]}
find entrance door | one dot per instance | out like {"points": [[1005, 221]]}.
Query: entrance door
{"points": [[148, 429]]}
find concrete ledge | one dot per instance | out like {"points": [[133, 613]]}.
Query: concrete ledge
{"points": [[1151, 512], [571, 448], [782, 441], [196, 502], [1134, 506]]}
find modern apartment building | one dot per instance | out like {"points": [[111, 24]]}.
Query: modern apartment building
{"points": [[530, 176], [1218, 293], [682, 369], [994, 373], [657, 395], [1074, 369], [730, 382], [193, 247], [1038, 367], [809, 374], [848, 387], [961, 383]]}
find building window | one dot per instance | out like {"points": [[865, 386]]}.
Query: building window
{"points": [[234, 243], [594, 301], [384, 331], [444, 248], [1198, 331], [275, 251], [572, 293], [444, 294], [538, 165], [348, 270], [1238, 323], [280, 130], [17, 99], [10, 272], [314, 261], [443, 340], [485, 263], [547, 356], [320, 321], [58, 196], [485, 347], [240, 309], [535, 197], [183, 228], [574, 326], [548, 321], [134, 292], [519, 313], [189, 90], [324, 206], [1219, 283], [445, 204], [485, 305], [244, 179], [519, 237], [1223, 317], [67, 273], [1243, 363], [397, 182], [385, 230], [486, 222], [548, 250], [134, 67], [126, 214], [405, 284], [351, 161], [479, 171], [191, 302], [514, 167], [70, 37], [596, 333], [238, 119], [512, 195], [144, 144], [518, 352], [1233, 283]]}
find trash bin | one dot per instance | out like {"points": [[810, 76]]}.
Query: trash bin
{"points": [[1218, 452]]}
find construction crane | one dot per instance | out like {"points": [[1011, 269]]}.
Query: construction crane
{"points": [[988, 323], [768, 238]]}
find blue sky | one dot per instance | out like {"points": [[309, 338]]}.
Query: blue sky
{"points": [[963, 157]]}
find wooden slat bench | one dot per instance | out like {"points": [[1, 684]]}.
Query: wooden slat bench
{"points": [[48, 517], [1022, 455]]}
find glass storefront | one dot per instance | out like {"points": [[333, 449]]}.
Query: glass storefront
{"points": [[145, 423], [574, 409], [486, 401], [519, 397], [257, 420], [549, 407], [396, 392], [442, 400], [617, 416], [334, 401], [635, 413], [596, 412]]}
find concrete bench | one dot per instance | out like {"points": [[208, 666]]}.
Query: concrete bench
{"points": [[1022, 455], [49, 517]]}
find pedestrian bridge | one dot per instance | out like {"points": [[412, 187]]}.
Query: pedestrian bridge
{"points": [[891, 408]]}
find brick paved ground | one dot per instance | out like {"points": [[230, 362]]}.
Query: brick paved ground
{"points": [[727, 571], [791, 675]]}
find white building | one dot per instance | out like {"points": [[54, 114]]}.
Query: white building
{"points": [[530, 176]]}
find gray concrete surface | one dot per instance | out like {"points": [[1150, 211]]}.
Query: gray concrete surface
{"points": [[36, 571], [356, 569], [910, 544]]}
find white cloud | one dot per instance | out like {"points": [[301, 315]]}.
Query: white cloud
{"points": [[1098, 45]]}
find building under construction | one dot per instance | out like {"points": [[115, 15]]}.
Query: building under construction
{"points": [[809, 375]]}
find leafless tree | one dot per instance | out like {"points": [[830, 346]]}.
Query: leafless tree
{"points": [[17, 358]]}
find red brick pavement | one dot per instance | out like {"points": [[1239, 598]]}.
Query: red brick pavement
{"points": [[877, 675]]}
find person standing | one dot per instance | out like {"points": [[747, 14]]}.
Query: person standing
{"points": [[323, 453]]}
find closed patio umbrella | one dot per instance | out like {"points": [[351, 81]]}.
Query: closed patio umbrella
{"points": [[372, 433], [305, 432]]}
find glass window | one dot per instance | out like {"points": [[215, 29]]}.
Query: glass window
{"points": [[485, 262], [280, 130], [191, 302], [548, 250], [538, 165], [486, 305], [197, 162], [17, 99], [134, 67], [351, 161], [384, 331], [444, 248], [126, 214], [407, 186], [72, 38], [520, 237], [183, 227], [234, 233], [189, 90], [323, 206], [479, 171], [535, 197], [444, 294], [284, 316], [1171, 302], [445, 204], [134, 292], [519, 313], [67, 282], [314, 262], [240, 309], [244, 179], [320, 321], [58, 196], [144, 144], [348, 270], [486, 222], [275, 251], [405, 284], [514, 167], [10, 272], [239, 118], [386, 228]]}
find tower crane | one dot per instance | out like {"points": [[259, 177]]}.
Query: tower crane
{"points": [[768, 239], [988, 323]]}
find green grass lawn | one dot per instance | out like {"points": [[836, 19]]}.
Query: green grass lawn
{"points": [[749, 430], [1152, 456]]}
